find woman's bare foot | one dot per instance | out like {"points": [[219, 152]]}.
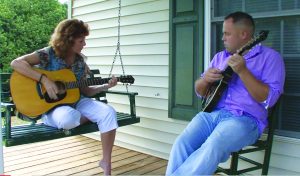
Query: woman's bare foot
{"points": [[106, 167]]}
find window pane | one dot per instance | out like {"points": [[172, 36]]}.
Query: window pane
{"points": [[273, 26], [219, 35], [292, 80], [261, 6], [290, 4], [225, 7], [291, 45], [290, 112]]}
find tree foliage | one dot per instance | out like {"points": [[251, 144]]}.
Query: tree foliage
{"points": [[26, 25]]}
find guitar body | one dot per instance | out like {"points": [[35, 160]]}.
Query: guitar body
{"points": [[29, 96], [214, 95], [215, 92]]}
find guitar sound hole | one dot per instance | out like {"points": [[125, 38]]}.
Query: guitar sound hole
{"points": [[60, 95]]}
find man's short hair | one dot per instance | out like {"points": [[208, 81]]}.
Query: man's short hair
{"points": [[242, 18]]}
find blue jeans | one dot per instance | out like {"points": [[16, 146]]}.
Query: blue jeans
{"points": [[209, 140]]}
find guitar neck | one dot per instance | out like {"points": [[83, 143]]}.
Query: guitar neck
{"points": [[87, 82], [228, 72]]}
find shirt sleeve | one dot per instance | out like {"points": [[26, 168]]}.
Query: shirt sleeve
{"points": [[274, 76], [43, 55]]}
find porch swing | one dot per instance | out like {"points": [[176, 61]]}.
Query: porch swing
{"points": [[36, 132]]}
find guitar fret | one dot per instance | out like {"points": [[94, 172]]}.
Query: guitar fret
{"points": [[88, 82], [82, 83]]}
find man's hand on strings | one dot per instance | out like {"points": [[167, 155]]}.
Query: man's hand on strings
{"points": [[237, 63], [212, 75]]}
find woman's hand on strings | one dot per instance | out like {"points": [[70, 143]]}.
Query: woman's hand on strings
{"points": [[112, 82], [50, 87]]}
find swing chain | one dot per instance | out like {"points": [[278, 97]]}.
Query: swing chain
{"points": [[118, 50]]}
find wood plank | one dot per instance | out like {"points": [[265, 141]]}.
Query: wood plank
{"points": [[36, 160], [76, 155], [149, 167], [160, 171], [46, 149], [125, 160], [57, 161], [130, 169], [78, 161], [76, 170]]}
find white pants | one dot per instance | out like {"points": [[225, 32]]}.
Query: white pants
{"points": [[66, 117]]}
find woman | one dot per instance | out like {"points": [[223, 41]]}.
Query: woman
{"points": [[64, 52]]}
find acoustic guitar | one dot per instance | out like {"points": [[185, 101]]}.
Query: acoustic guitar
{"points": [[215, 91], [31, 98]]}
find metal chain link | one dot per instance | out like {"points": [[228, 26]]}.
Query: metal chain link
{"points": [[118, 50]]}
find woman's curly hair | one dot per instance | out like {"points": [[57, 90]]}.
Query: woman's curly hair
{"points": [[65, 33]]}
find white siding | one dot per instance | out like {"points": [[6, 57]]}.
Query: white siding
{"points": [[145, 50]]}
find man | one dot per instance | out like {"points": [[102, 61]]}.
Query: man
{"points": [[240, 116]]}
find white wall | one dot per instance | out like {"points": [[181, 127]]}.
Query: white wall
{"points": [[145, 50]]}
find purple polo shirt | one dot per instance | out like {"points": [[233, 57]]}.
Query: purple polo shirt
{"points": [[267, 66]]}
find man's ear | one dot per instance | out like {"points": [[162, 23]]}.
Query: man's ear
{"points": [[246, 34]]}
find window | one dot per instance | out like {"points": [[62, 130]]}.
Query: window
{"points": [[282, 18]]}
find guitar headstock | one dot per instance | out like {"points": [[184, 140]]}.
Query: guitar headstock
{"points": [[263, 35], [126, 79], [258, 38]]}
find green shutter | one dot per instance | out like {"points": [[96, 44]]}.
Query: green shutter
{"points": [[186, 57]]}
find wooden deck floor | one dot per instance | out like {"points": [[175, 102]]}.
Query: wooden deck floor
{"points": [[76, 155]]}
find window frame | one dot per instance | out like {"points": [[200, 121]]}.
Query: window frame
{"points": [[281, 14]]}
